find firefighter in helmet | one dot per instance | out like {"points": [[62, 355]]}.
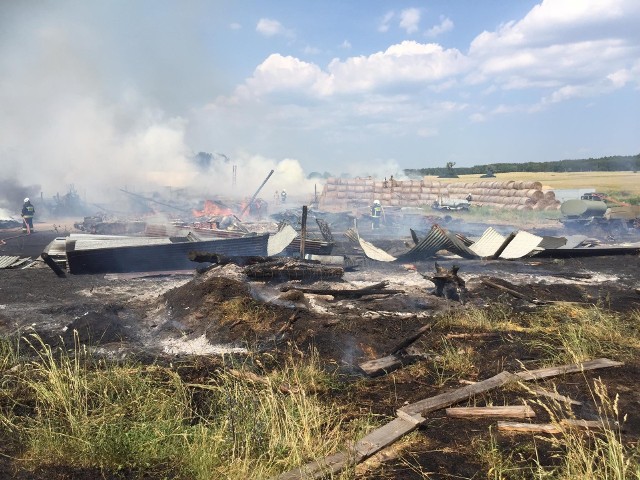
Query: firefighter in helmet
{"points": [[376, 214], [28, 211]]}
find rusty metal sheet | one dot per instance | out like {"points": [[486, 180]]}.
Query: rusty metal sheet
{"points": [[523, 244], [489, 243]]}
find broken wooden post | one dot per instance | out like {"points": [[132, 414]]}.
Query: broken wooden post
{"points": [[448, 284], [256, 194], [303, 231], [53, 265]]}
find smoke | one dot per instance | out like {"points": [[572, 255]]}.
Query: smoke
{"points": [[12, 193]]}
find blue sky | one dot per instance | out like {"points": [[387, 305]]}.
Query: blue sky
{"points": [[127, 91]]}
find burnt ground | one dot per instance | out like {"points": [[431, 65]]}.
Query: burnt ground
{"points": [[169, 318]]}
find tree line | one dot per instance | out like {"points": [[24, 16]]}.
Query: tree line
{"points": [[617, 163]]}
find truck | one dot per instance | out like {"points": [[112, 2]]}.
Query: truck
{"points": [[599, 213]]}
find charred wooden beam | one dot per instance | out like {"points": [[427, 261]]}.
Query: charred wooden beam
{"points": [[207, 257], [53, 265], [293, 270], [376, 289]]}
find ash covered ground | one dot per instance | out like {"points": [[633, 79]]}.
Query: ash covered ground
{"points": [[169, 317]]}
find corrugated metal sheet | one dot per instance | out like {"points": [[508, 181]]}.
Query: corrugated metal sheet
{"points": [[552, 242], [109, 241], [522, 245], [574, 241], [57, 247], [489, 243], [437, 239], [375, 253], [597, 251], [7, 261], [151, 258], [281, 240]]}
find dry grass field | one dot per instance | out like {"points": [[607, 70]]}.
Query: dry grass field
{"points": [[627, 183]]}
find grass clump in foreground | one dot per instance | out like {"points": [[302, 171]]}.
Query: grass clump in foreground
{"points": [[570, 455], [73, 410]]}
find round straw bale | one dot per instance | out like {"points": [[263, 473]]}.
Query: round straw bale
{"points": [[549, 195]]}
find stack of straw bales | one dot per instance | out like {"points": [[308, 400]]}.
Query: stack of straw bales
{"points": [[347, 193]]}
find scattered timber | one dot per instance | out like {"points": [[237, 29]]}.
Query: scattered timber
{"points": [[411, 339], [375, 289], [508, 411], [291, 269], [411, 416], [418, 409]]}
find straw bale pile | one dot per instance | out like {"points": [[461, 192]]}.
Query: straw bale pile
{"points": [[348, 193]]}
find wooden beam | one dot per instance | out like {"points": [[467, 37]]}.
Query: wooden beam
{"points": [[542, 373], [508, 411], [421, 408], [529, 427], [508, 290], [381, 366], [554, 396], [303, 231]]}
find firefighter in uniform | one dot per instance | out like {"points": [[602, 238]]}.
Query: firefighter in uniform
{"points": [[376, 214], [283, 195], [27, 214]]}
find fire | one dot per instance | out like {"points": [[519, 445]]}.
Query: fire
{"points": [[212, 209]]}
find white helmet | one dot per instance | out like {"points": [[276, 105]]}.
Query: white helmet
{"points": [[376, 202], [26, 200]]}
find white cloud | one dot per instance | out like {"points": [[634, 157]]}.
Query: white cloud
{"points": [[384, 23], [271, 28], [577, 48], [235, 26], [444, 26], [346, 45], [410, 19]]}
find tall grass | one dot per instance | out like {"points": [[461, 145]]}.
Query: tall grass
{"points": [[575, 455], [80, 412]]}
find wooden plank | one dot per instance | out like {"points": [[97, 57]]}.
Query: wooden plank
{"points": [[380, 366], [554, 396], [552, 427], [509, 411], [325, 467], [565, 369], [383, 436], [529, 427], [449, 398], [367, 446], [411, 338], [584, 424]]}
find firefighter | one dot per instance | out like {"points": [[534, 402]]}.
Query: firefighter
{"points": [[27, 214], [283, 195], [376, 213]]}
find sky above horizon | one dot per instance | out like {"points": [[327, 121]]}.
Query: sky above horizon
{"points": [[125, 92]]}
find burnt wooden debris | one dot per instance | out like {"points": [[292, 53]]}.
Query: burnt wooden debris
{"points": [[291, 269], [397, 356], [448, 284], [411, 416], [352, 293], [53, 265], [241, 260]]}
